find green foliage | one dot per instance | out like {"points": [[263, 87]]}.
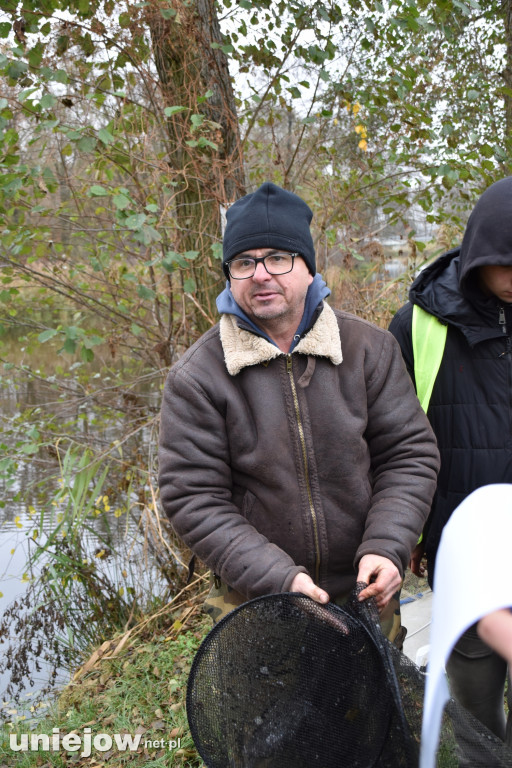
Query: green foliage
{"points": [[86, 581], [119, 140], [113, 698]]}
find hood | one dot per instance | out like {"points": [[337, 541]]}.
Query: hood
{"points": [[488, 235], [449, 287], [437, 289]]}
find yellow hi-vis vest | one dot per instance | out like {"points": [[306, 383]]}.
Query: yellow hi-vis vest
{"points": [[428, 342]]}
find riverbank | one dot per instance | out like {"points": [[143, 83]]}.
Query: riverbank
{"points": [[126, 705]]}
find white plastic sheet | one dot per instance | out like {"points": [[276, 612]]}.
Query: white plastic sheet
{"points": [[472, 578]]}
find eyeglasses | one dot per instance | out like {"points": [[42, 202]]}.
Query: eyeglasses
{"points": [[278, 263]]}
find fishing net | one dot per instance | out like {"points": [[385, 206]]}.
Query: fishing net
{"points": [[283, 682]]}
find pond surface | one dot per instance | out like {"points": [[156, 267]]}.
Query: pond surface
{"points": [[43, 410]]}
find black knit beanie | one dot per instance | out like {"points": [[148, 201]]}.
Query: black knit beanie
{"points": [[271, 217]]}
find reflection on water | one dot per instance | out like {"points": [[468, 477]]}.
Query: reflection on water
{"points": [[101, 404]]}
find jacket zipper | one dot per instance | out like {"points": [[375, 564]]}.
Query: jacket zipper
{"points": [[312, 510], [502, 322]]}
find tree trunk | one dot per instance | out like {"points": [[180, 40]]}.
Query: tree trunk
{"points": [[205, 155], [507, 74]]}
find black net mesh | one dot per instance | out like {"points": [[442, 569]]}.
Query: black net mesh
{"points": [[283, 682]]}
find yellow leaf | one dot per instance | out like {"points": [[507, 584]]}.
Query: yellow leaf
{"points": [[101, 553], [356, 107], [31, 511], [13, 550], [118, 512], [363, 144], [17, 521], [1, 594], [177, 625], [335, 121]]}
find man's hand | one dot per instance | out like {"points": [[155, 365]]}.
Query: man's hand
{"points": [[495, 629], [387, 579], [305, 584], [416, 565]]}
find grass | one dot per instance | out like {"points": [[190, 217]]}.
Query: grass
{"points": [[133, 687]]}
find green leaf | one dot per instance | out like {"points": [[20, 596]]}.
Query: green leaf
{"points": [[60, 76], [86, 144], [145, 293], [97, 191], [92, 341], [105, 136], [69, 346], [16, 69], [197, 120], [486, 150], [147, 235], [121, 202], [86, 354], [135, 221], [216, 249], [189, 286], [170, 111], [29, 449], [204, 98], [48, 101], [46, 335], [172, 260], [204, 142]]}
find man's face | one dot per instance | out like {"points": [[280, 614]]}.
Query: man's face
{"points": [[497, 279], [272, 298]]}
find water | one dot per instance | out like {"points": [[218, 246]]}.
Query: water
{"points": [[60, 403]]}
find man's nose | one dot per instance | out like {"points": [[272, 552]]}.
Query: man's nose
{"points": [[260, 273]]}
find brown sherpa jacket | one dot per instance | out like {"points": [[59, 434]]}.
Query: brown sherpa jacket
{"points": [[272, 464]]}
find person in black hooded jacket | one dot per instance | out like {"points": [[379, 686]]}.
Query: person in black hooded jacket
{"points": [[469, 289]]}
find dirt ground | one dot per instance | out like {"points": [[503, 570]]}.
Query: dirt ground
{"points": [[413, 584]]}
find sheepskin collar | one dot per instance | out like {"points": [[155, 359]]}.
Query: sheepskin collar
{"points": [[243, 348]]}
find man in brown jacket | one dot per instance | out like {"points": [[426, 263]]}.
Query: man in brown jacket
{"points": [[294, 455]]}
